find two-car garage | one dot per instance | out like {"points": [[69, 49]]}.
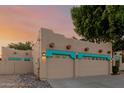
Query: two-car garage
{"points": [[62, 57], [62, 66]]}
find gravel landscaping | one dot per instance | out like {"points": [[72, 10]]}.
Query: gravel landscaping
{"points": [[22, 81], [29, 81]]}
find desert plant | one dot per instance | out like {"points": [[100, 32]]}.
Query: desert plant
{"points": [[21, 46], [115, 70]]}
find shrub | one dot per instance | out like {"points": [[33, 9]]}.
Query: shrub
{"points": [[115, 69]]}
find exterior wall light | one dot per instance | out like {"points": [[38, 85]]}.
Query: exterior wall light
{"points": [[43, 54], [43, 58]]}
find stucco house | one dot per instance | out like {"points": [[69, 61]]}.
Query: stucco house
{"points": [[55, 56]]}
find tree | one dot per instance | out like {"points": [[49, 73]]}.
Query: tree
{"points": [[21, 46], [118, 45], [98, 23]]}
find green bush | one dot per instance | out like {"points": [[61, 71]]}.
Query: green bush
{"points": [[115, 69]]}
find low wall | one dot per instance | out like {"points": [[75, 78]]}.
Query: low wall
{"points": [[16, 67], [16, 61]]}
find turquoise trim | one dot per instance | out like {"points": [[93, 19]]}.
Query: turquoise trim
{"points": [[27, 59], [80, 55], [51, 52], [19, 59], [15, 59], [116, 56]]}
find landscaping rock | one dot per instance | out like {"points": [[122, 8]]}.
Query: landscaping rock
{"points": [[29, 81]]}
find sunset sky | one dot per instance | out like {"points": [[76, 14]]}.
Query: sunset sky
{"points": [[21, 23]]}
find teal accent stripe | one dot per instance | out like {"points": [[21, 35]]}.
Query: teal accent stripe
{"points": [[27, 59], [19, 59], [116, 56], [81, 55], [72, 54], [51, 52]]}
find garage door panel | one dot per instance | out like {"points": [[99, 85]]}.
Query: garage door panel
{"points": [[60, 68], [92, 67]]}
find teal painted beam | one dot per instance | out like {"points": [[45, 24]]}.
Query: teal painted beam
{"points": [[51, 52], [19, 59], [27, 59], [14, 59], [81, 55], [72, 54], [116, 56]]}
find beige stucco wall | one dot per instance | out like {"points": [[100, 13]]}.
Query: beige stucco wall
{"points": [[15, 67], [6, 68], [60, 43], [63, 68], [36, 60]]}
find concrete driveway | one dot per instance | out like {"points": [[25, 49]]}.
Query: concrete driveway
{"points": [[114, 81]]}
